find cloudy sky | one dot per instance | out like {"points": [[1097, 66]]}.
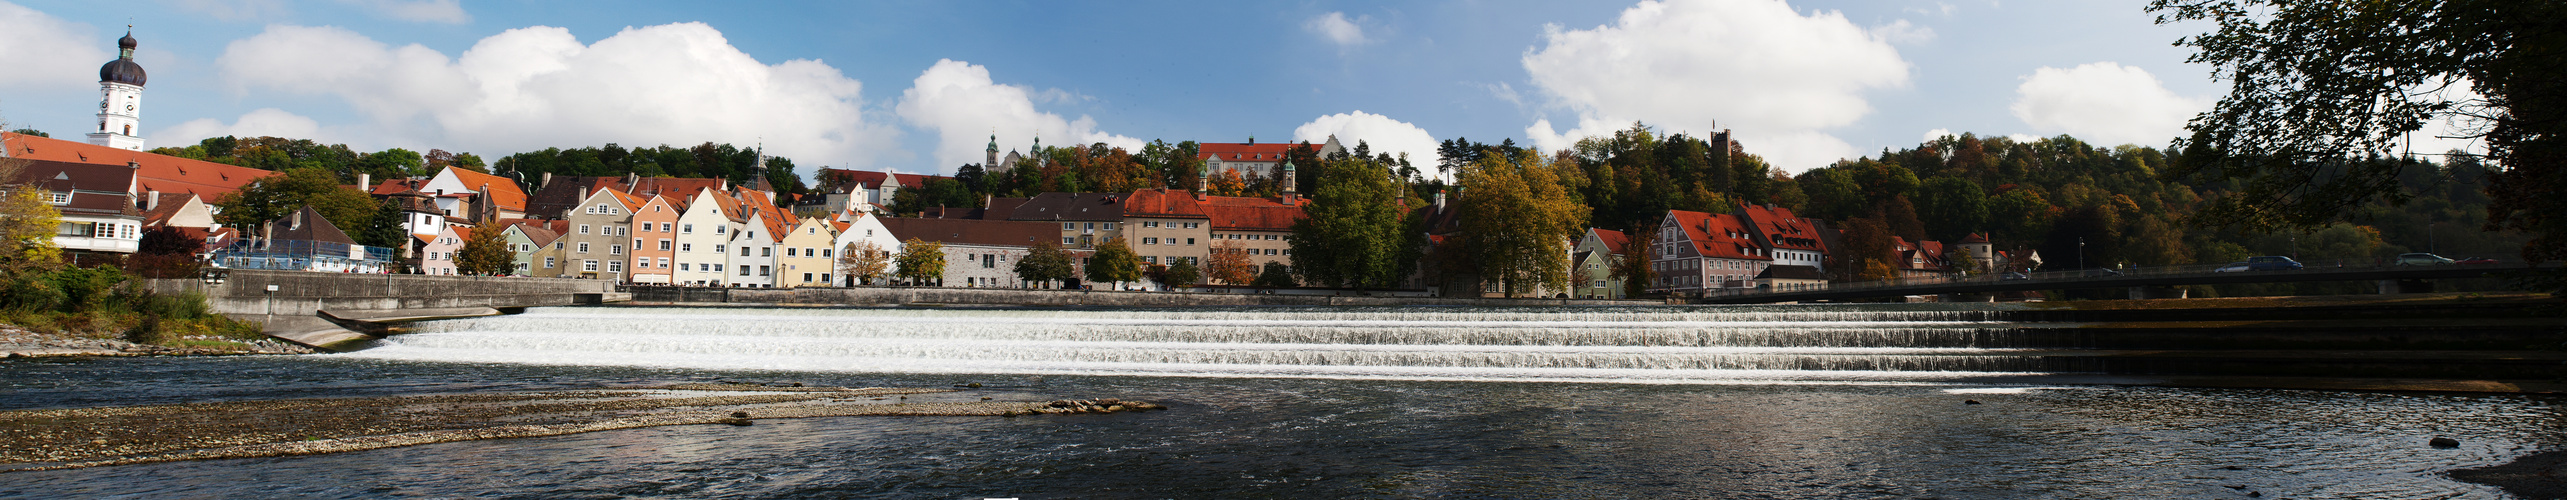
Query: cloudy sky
{"points": [[921, 86]]}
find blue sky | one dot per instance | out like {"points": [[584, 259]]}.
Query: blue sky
{"points": [[920, 86]]}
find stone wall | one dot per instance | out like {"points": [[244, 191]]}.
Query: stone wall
{"points": [[247, 295], [1017, 297]]}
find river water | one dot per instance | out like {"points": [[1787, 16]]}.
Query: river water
{"points": [[1750, 402]]}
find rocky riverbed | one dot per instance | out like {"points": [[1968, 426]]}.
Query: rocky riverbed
{"points": [[18, 342], [90, 437]]}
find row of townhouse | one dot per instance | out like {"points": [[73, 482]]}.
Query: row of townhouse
{"points": [[1757, 247]]}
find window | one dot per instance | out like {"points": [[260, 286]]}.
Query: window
{"points": [[682, 266], [616, 249], [548, 262], [686, 229], [762, 270], [664, 263], [988, 261], [720, 229], [614, 266], [663, 244], [60, 198], [763, 252], [1149, 260], [824, 278], [686, 247], [806, 277], [744, 270], [1065, 240], [1149, 241], [788, 252], [1193, 225], [824, 252], [637, 244], [1189, 241], [1149, 224], [1069, 226], [744, 251], [588, 265], [583, 248], [1109, 226], [717, 249], [716, 267], [583, 229], [623, 231]]}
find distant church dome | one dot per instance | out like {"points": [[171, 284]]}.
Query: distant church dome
{"points": [[123, 70]]}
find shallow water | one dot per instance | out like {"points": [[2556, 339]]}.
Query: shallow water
{"points": [[1300, 432]]}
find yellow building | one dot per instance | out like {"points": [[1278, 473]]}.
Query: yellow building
{"points": [[804, 257]]}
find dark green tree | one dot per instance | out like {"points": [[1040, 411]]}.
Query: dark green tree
{"points": [[1044, 265], [1114, 262], [1353, 233], [1276, 275], [1952, 208]]}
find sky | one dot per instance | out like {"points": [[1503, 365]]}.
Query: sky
{"points": [[922, 86]]}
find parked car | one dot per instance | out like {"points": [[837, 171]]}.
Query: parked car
{"points": [[2422, 259], [2233, 267], [2014, 276], [2475, 262], [2272, 263]]}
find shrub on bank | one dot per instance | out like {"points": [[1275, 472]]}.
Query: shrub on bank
{"points": [[105, 302]]}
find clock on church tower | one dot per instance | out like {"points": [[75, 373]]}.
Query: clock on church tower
{"points": [[120, 110]]}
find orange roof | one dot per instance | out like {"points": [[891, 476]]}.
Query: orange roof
{"points": [[167, 174], [1170, 203], [1235, 213], [1613, 240], [503, 192], [1717, 235], [1782, 229]]}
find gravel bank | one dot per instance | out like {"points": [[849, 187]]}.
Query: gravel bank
{"points": [[91, 437], [18, 342]]}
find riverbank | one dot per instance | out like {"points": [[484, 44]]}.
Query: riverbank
{"points": [[2538, 475], [91, 437], [18, 342]]}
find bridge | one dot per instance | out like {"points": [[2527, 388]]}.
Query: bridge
{"points": [[2389, 276]]}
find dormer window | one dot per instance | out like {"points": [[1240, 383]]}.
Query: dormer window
{"points": [[60, 198]]}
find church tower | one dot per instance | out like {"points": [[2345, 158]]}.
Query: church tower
{"points": [[120, 110], [992, 162]]}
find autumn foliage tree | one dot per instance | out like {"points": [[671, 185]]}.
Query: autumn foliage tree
{"points": [[922, 263], [1228, 263], [485, 252], [863, 260], [1516, 219]]}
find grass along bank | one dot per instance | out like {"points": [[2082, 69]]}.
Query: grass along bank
{"points": [[106, 311]]}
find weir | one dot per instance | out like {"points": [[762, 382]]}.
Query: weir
{"points": [[337, 311], [1765, 344]]}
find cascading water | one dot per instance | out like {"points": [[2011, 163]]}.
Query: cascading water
{"points": [[1637, 345]]}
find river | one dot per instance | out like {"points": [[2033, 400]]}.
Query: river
{"points": [[1748, 402]]}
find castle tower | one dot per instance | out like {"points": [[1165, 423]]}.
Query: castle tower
{"points": [[120, 110]]}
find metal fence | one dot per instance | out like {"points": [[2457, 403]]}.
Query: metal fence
{"points": [[302, 255]]}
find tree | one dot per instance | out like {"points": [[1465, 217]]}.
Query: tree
{"points": [[1900, 214], [277, 195], [166, 252], [1952, 208], [1353, 233], [485, 251], [1114, 263], [385, 230], [2316, 85], [1633, 265], [1276, 275], [864, 261], [1182, 273], [1228, 263], [922, 263], [1515, 220], [1043, 264], [1867, 254], [28, 222]]}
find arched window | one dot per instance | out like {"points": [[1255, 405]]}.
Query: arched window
{"points": [[129, 129]]}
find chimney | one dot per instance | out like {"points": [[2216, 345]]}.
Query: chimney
{"points": [[298, 220], [365, 182], [630, 180], [1439, 201], [151, 199], [133, 164], [548, 180]]}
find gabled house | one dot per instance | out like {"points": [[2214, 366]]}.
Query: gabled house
{"points": [[978, 253], [1699, 252], [753, 247], [654, 247], [600, 227], [1921, 259], [100, 217], [808, 259], [1593, 261], [177, 210], [704, 226], [457, 191], [858, 226], [437, 253], [526, 238], [303, 241]]}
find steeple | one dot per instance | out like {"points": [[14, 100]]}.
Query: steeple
{"points": [[991, 164], [120, 110]]}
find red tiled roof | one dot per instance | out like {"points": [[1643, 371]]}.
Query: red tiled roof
{"points": [[1613, 240], [503, 192], [875, 179], [1164, 203], [971, 231], [168, 174], [1235, 213], [1717, 236], [1783, 229]]}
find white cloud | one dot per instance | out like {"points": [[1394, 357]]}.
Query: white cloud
{"points": [[432, 11], [530, 88], [1383, 134], [2104, 103], [1937, 134], [1903, 32], [1775, 77], [42, 51], [1337, 29], [965, 107], [263, 122]]}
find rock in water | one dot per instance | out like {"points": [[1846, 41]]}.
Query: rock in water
{"points": [[742, 422], [739, 414], [2443, 442], [1969, 401]]}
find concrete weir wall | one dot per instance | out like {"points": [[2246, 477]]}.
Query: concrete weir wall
{"points": [[290, 305], [248, 292], [1014, 297]]}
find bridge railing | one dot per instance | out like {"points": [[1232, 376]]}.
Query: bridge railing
{"points": [[2069, 277]]}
